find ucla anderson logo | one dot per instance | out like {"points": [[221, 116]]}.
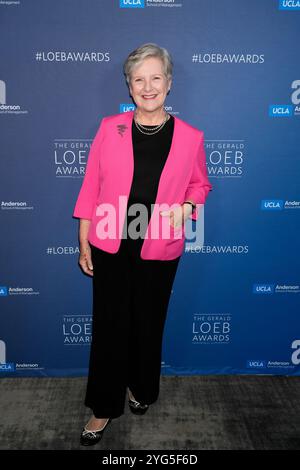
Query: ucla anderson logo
{"points": [[272, 204], [124, 107], [5, 366], [288, 110], [289, 4], [3, 291], [258, 364], [280, 110], [263, 289], [132, 3]]}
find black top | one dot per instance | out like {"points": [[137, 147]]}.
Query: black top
{"points": [[150, 155]]}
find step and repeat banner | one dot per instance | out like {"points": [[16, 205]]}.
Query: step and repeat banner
{"points": [[234, 307]]}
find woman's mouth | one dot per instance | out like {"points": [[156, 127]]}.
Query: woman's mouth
{"points": [[149, 97]]}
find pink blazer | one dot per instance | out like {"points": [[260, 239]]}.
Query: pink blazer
{"points": [[109, 174]]}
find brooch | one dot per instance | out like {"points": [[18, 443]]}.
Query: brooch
{"points": [[121, 129]]}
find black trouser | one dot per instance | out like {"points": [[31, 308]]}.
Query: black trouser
{"points": [[130, 303]]}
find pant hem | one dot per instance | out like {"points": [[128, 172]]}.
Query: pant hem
{"points": [[104, 415]]}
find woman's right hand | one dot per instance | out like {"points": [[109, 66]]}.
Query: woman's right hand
{"points": [[85, 258]]}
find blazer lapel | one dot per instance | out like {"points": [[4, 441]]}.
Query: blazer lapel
{"points": [[125, 160]]}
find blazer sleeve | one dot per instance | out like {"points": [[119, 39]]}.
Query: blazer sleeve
{"points": [[91, 182], [199, 185]]}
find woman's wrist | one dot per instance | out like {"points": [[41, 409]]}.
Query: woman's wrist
{"points": [[190, 205], [84, 243]]}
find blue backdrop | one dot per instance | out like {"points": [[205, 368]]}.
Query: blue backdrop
{"points": [[235, 306]]}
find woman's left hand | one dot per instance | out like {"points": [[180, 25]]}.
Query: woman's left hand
{"points": [[178, 215]]}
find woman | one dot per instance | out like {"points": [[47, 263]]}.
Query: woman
{"points": [[153, 161]]}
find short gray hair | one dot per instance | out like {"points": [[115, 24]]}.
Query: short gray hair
{"points": [[142, 52]]}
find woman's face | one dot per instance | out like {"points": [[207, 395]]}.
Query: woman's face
{"points": [[149, 85]]}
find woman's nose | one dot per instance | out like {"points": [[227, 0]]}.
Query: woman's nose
{"points": [[147, 85]]}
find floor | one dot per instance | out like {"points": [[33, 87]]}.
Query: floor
{"points": [[192, 412]]}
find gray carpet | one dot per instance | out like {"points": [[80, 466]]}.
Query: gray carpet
{"points": [[198, 412]]}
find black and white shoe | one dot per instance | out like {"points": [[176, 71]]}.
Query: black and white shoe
{"points": [[136, 407], [89, 438]]}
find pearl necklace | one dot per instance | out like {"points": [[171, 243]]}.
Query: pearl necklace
{"points": [[154, 130]]}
